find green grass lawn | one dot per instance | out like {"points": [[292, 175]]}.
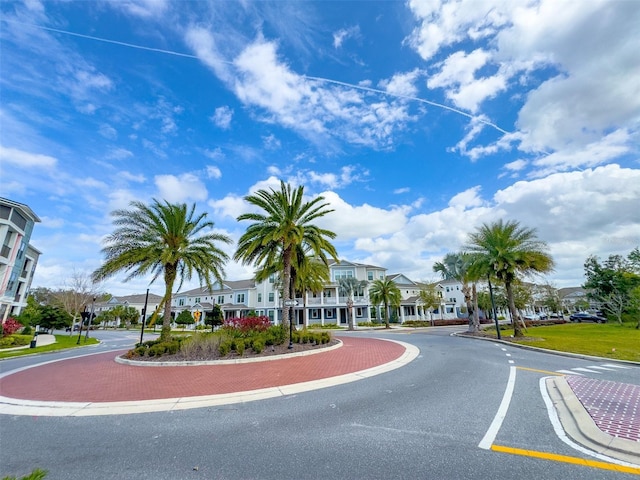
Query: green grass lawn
{"points": [[62, 342], [617, 342]]}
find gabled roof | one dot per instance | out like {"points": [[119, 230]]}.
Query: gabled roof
{"points": [[25, 209], [346, 263], [401, 279], [138, 298], [226, 285]]}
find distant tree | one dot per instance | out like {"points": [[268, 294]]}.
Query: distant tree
{"points": [[429, 298], [54, 318], [215, 317], [507, 250], [386, 292], [551, 299], [163, 239], [78, 292], [185, 318], [349, 287], [31, 314], [612, 282], [126, 315], [43, 295]]}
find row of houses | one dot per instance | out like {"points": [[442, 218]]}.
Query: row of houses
{"points": [[239, 297]]}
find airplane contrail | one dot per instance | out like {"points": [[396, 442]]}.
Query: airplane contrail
{"points": [[309, 77]]}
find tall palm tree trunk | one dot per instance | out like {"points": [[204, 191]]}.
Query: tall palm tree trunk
{"points": [[170, 273], [517, 331], [387, 312], [286, 282]]}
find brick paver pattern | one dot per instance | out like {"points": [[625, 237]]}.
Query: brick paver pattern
{"points": [[614, 407], [98, 378]]}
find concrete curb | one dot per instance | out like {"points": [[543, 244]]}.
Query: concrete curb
{"points": [[234, 361], [578, 425]]}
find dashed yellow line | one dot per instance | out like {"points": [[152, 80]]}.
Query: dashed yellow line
{"points": [[565, 459], [541, 371]]}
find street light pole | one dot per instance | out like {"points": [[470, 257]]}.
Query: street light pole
{"points": [[144, 315]]}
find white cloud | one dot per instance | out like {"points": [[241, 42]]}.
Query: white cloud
{"points": [[398, 191], [24, 159], [516, 165], [108, 132], [213, 172], [118, 154], [130, 177], [402, 84], [180, 188], [222, 117], [270, 142], [215, 154], [343, 34]]}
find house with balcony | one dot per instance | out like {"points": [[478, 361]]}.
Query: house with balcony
{"points": [[18, 258]]}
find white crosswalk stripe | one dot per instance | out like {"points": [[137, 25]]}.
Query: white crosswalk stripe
{"points": [[598, 369]]}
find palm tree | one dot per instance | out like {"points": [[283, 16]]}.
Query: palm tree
{"points": [[283, 224], [349, 287], [166, 239], [385, 291], [458, 266], [508, 250]]}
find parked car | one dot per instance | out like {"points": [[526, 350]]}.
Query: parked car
{"points": [[586, 317], [76, 327]]}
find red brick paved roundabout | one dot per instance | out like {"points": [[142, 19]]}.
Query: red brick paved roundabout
{"points": [[97, 385]]}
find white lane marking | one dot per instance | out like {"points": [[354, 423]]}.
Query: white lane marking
{"points": [[508, 354], [503, 349], [557, 427], [601, 368], [491, 434], [580, 369], [569, 372], [512, 361], [614, 366]]}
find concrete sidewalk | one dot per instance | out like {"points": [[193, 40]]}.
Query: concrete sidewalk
{"points": [[42, 339]]}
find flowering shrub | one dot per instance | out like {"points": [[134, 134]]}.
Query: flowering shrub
{"points": [[247, 325], [10, 326]]}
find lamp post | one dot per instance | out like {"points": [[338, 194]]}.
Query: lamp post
{"points": [[144, 315], [82, 316]]}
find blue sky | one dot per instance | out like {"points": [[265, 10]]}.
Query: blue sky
{"points": [[417, 121]]}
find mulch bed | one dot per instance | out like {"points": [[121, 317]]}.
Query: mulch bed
{"points": [[268, 351]]}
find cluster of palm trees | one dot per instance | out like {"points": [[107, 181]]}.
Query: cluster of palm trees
{"points": [[500, 252], [282, 241], [168, 239]]}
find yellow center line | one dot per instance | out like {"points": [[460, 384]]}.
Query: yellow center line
{"points": [[563, 458], [541, 371]]}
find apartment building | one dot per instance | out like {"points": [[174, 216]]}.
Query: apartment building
{"points": [[329, 306], [18, 258]]}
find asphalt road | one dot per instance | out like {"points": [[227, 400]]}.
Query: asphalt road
{"points": [[423, 421]]}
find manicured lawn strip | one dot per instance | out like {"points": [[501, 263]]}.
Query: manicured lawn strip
{"points": [[62, 342], [608, 341]]}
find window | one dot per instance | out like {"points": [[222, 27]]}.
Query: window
{"points": [[327, 293], [259, 297], [272, 279], [370, 276], [271, 296], [359, 312], [240, 298], [447, 289], [452, 300], [314, 313], [329, 314], [197, 299], [220, 299], [343, 274], [270, 315], [18, 220], [181, 302]]}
